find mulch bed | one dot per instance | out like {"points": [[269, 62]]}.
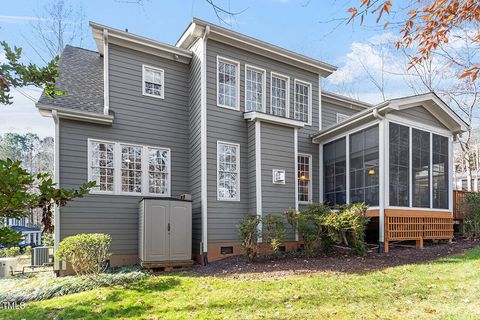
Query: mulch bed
{"points": [[342, 261]]}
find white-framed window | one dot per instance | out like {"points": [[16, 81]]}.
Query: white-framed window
{"points": [[228, 171], [342, 117], [254, 89], [304, 176], [302, 109], [152, 82], [129, 169], [228, 83], [279, 95], [102, 165]]}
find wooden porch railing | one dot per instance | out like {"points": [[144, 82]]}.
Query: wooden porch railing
{"points": [[459, 201]]}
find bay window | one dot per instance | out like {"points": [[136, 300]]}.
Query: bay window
{"points": [[128, 169], [228, 171]]}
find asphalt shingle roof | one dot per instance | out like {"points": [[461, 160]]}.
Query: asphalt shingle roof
{"points": [[81, 76]]}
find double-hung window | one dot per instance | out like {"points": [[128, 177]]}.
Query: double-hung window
{"points": [[280, 86], [228, 171], [254, 89], [128, 169], [102, 165], [153, 81], [304, 176], [228, 83], [303, 105]]}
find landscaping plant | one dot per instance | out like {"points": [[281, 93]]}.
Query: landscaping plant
{"points": [[471, 218], [87, 253], [274, 230], [248, 232], [10, 252]]}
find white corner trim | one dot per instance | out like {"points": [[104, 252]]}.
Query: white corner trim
{"points": [[56, 214], [382, 188], [264, 86], [106, 84], [320, 116], [237, 146], [203, 139], [237, 84], [310, 95], [162, 79], [265, 117], [287, 86], [295, 170], [258, 173]]}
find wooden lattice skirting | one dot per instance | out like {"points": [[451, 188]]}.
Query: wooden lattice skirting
{"points": [[402, 225]]}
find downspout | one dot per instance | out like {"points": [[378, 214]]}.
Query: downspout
{"points": [[56, 168], [203, 146], [382, 187], [106, 84]]}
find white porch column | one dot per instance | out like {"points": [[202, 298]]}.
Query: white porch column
{"points": [[382, 141]]}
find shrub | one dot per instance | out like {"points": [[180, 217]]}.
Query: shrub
{"points": [[471, 218], [48, 240], [248, 232], [87, 253], [28, 251], [9, 252], [274, 230], [40, 289]]}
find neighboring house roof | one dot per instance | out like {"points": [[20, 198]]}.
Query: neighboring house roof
{"points": [[25, 229], [198, 28], [430, 101], [81, 77]]}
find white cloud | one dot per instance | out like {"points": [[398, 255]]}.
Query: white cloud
{"points": [[22, 116]]}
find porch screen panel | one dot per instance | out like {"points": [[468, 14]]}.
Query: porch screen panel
{"points": [[421, 168], [364, 160], [440, 172], [334, 168], [399, 165]]}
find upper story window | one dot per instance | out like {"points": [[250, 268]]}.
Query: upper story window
{"points": [[254, 89], [129, 169], [102, 165], [302, 107], [228, 171], [153, 81], [304, 176], [280, 86], [342, 117], [228, 83]]}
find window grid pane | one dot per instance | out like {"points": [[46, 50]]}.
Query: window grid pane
{"points": [[254, 90], [399, 146], [228, 171], [102, 165], [421, 168], [279, 96], [302, 97], [303, 178], [131, 169], [440, 172], [153, 81], [158, 171], [227, 84]]}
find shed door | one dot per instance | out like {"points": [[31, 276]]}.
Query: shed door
{"points": [[180, 231], [156, 234]]}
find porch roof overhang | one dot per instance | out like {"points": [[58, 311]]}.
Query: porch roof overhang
{"points": [[430, 101]]}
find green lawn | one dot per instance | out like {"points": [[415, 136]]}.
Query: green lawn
{"points": [[444, 289]]}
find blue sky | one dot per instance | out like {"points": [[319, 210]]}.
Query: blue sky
{"points": [[303, 26]]}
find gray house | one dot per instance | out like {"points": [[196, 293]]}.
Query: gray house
{"points": [[240, 126]]}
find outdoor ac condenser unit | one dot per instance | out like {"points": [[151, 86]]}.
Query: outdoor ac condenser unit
{"points": [[41, 256]]}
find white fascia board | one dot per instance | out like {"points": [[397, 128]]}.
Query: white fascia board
{"points": [[46, 111], [264, 117]]}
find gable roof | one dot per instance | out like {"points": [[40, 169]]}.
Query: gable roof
{"points": [[197, 28], [430, 101], [81, 77]]}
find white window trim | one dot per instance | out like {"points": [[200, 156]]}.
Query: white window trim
{"points": [[237, 198], [340, 116], [117, 172], [310, 181], [237, 85], [310, 94], [264, 87], [287, 97], [143, 81]]}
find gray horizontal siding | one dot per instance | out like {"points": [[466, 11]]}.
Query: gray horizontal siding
{"points": [[330, 110], [139, 120], [421, 115]]}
